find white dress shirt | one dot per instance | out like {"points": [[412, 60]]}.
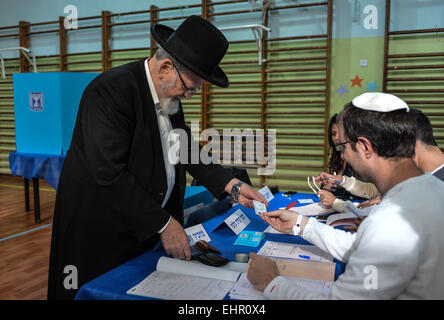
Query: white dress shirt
{"points": [[401, 240], [164, 128]]}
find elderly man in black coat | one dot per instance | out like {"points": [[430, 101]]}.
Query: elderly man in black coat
{"points": [[118, 194]]}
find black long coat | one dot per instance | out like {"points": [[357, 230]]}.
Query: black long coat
{"points": [[108, 204]]}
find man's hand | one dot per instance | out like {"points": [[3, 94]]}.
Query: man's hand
{"points": [[327, 198], [175, 241], [283, 220], [355, 226], [261, 271], [247, 194]]}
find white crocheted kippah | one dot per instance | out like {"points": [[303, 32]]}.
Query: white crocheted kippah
{"points": [[381, 102]]}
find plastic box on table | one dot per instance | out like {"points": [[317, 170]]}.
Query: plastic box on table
{"points": [[45, 106]]}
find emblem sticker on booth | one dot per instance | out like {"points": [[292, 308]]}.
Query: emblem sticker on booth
{"points": [[36, 101]]}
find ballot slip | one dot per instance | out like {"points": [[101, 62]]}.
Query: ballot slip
{"points": [[294, 251], [259, 208], [266, 192]]}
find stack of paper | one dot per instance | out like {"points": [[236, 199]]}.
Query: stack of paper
{"points": [[244, 290], [186, 280]]}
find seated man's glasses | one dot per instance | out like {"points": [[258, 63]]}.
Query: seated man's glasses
{"points": [[340, 147]]}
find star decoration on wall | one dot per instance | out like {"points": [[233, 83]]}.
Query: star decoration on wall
{"points": [[372, 86], [342, 90], [356, 82]]}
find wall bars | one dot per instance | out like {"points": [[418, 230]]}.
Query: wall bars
{"points": [[413, 70], [288, 91]]}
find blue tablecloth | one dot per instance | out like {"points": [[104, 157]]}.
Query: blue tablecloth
{"points": [[115, 283], [33, 165]]}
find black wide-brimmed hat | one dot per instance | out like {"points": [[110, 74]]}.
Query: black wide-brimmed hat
{"points": [[196, 44]]}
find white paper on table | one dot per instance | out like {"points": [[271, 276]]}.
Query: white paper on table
{"points": [[315, 209], [294, 251], [195, 268], [184, 280], [315, 286], [266, 192], [196, 233], [244, 290], [237, 221], [164, 285], [305, 201], [235, 266]]}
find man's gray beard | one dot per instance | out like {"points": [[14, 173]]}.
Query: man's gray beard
{"points": [[169, 106]]}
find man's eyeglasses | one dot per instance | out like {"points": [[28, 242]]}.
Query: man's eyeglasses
{"points": [[184, 86], [340, 147]]}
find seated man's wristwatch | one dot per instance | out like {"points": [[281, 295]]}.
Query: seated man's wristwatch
{"points": [[235, 190]]}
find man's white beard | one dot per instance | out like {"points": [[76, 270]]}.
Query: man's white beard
{"points": [[169, 106]]}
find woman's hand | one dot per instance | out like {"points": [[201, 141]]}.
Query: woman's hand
{"points": [[327, 198]]}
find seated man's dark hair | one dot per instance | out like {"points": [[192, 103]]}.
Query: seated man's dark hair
{"points": [[392, 134], [424, 129]]}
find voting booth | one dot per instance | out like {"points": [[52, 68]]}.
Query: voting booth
{"points": [[45, 106]]}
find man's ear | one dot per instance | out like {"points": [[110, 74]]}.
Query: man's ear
{"points": [[365, 146], [165, 67]]}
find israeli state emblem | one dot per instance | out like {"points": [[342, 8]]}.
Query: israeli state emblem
{"points": [[36, 101]]}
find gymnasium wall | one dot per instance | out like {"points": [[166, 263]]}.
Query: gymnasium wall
{"points": [[293, 105]]}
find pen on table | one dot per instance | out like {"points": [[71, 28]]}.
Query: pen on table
{"points": [[291, 205], [305, 257]]}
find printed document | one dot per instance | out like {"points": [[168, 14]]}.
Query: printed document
{"points": [[314, 209], [244, 290], [294, 251], [186, 280]]}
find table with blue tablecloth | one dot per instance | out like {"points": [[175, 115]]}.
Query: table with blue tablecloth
{"points": [[35, 166], [115, 283]]}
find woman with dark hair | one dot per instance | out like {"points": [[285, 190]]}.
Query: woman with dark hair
{"points": [[333, 194], [335, 165]]}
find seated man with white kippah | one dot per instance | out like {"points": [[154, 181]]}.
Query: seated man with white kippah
{"points": [[398, 250]]}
